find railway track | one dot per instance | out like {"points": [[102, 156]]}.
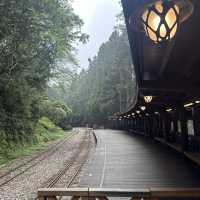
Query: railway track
{"points": [[80, 156], [22, 168]]}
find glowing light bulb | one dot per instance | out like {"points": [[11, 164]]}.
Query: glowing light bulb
{"points": [[143, 108], [161, 21], [148, 99]]}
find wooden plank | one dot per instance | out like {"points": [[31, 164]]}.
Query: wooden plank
{"points": [[195, 157], [176, 147], [102, 193], [63, 192], [175, 192], [114, 192]]}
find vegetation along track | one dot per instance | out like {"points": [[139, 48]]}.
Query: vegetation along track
{"points": [[80, 157], [25, 166]]}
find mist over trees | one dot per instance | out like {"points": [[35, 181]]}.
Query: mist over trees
{"points": [[103, 89]]}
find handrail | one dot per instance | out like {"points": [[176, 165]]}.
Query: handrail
{"points": [[104, 193]]}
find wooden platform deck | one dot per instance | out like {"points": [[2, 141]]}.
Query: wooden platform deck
{"points": [[123, 160], [192, 156]]}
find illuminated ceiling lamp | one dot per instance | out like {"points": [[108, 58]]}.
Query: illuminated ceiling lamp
{"points": [[188, 105], [148, 99], [169, 110], [161, 19], [143, 108]]}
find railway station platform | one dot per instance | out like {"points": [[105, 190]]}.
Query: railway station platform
{"points": [[125, 160]]}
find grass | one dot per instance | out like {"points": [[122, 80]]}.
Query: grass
{"points": [[45, 132]]}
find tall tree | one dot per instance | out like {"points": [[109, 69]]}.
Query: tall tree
{"points": [[108, 84], [34, 37]]}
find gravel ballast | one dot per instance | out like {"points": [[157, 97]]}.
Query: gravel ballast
{"points": [[25, 186]]}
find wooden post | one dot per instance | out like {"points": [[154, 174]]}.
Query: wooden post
{"points": [[122, 124], [155, 127], [166, 127], [143, 125], [175, 124], [147, 126], [160, 131], [127, 124], [136, 124], [184, 129], [196, 118]]}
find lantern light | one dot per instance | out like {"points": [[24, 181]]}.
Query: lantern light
{"points": [[169, 110], [197, 102], [138, 112], [148, 99], [143, 108], [160, 20], [156, 113], [188, 105]]}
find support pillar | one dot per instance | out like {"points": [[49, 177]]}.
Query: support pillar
{"points": [[166, 126], [184, 128]]}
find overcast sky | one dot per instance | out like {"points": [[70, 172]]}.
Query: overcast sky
{"points": [[99, 18]]}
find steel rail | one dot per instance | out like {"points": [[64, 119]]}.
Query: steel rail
{"points": [[42, 154], [53, 180]]}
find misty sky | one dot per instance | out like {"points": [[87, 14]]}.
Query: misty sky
{"points": [[99, 17]]}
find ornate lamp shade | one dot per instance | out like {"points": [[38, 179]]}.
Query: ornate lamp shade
{"points": [[148, 99], [161, 21]]}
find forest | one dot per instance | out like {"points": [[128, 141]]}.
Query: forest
{"points": [[42, 85], [105, 88]]}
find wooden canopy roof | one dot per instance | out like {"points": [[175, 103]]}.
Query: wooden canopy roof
{"points": [[171, 66], [169, 71]]}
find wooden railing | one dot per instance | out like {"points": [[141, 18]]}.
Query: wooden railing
{"points": [[105, 193]]}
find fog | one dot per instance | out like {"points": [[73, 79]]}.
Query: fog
{"points": [[99, 18]]}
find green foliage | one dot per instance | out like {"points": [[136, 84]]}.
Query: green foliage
{"points": [[45, 123], [59, 113], [35, 36], [45, 131]]}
